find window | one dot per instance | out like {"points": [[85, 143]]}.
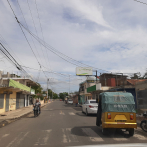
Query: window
{"points": [[1, 100], [92, 101]]}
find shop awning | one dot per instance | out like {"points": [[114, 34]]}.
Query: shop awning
{"points": [[15, 84], [92, 88]]}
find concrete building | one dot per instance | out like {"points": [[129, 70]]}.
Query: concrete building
{"points": [[12, 95], [15, 92], [134, 86], [141, 94], [83, 94]]}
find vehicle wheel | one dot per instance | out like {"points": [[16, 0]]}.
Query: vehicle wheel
{"points": [[87, 112], [104, 131], [131, 132], [82, 110], [34, 113], [143, 125]]}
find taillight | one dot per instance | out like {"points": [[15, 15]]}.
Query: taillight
{"points": [[91, 106], [131, 116], [109, 115]]}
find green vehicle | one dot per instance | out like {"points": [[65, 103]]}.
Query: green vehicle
{"points": [[116, 110]]}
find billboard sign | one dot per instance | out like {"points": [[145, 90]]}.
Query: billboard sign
{"points": [[84, 71]]}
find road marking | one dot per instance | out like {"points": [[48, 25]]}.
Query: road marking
{"points": [[18, 139], [68, 137], [140, 137], [71, 136], [5, 135], [92, 135], [64, 137], [71, 113], [45, 138], [21, 139], [61, 113], [52, 114], [120, 139]]}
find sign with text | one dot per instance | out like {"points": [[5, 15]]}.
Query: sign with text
{"points": [[84, 71]]}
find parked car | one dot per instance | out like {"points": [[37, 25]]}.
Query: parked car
{"points": [[90, 107], [70, 101]]}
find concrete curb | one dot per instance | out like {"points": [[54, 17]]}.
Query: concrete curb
{"points": [[10, 120]]}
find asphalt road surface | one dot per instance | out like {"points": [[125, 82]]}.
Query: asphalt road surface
{"points": [[62, 125]]}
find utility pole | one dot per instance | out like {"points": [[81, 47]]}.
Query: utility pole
{"points": [[69, 84], [52, 93], [96, 76], [47, 87]]}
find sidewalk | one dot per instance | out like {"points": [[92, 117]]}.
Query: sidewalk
{"points": [[10, 116]]}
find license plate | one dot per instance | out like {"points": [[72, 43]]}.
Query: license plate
{"points": [[120, 123]]}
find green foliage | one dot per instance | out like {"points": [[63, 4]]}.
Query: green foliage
{"points": [[55, 95], [38, 88], [63, 95]]}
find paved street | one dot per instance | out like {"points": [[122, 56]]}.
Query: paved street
{"points": [[61, 125]]}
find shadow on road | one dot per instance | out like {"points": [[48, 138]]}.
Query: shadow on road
{"points": [[73, 106], [84, 115], [54, 109], [97, 132]]}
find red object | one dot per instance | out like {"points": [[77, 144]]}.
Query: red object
{"points": [[109, 115], [111, 82], [98, 77], [91, 106], [131, 116]]}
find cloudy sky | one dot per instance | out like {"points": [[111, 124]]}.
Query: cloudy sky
{"points": [[109, 35]]}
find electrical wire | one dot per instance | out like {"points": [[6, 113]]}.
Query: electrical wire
{"points": [[140, 2], [74, 62], [36, 29]]}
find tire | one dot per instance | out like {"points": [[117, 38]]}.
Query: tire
{"points": [[104, 131], [143, 125], [82, 110], [35, 114], [131, 131], [87, 113]]}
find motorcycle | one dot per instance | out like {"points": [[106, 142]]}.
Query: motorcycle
{"points": [[143, 124], [36, 111]]}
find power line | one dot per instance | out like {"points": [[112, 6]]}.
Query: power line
{"points": [[35, 29], [42, 33], [74, 62], [28, 27], [23, 33], [7, 54], [49, 71], [15, 55], [141, 2], [52, 47]]}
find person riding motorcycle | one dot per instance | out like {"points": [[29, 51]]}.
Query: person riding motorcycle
{"points": [[38, 104]]}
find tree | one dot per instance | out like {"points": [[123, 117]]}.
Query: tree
{"points": [[63, 95], [38, 88], [38, 91], [51, 93], [55, 96], [135, 76]]}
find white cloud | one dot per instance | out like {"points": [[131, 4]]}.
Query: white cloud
{"points": [[104, 34]]}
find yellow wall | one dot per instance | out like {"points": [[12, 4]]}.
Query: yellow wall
{"points": [[2, 110], [12, 101]]}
